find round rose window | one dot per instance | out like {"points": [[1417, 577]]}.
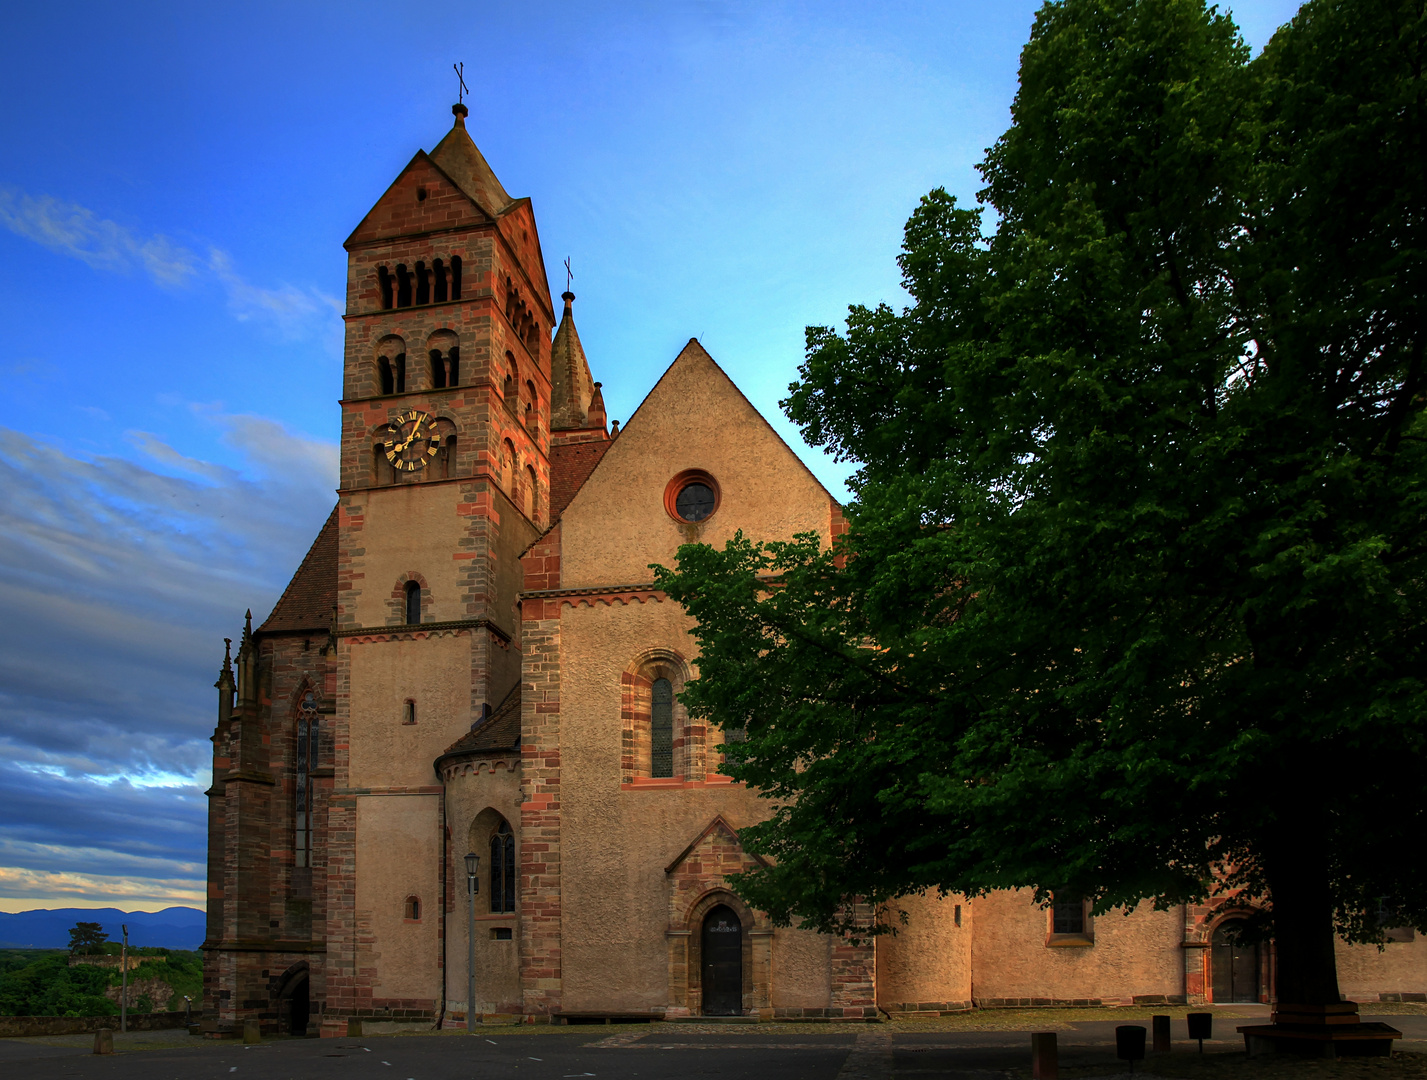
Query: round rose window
{"points": [[691, 497], [694, 502]]}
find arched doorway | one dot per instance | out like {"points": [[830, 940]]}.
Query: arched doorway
{"points": [[722, 954], [294, 1006], [1235, 965]]}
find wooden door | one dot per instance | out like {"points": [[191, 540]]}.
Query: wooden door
{"points": [[722, 946], [1236, 967]]}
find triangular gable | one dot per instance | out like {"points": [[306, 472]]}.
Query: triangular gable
{"points": [[399, 213], [718, 822], [518, 216], [694, 351]]}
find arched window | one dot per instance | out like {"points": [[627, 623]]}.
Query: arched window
{"points": [[512, 376], [412, 909], [413, 603], [507, 465], [423, 284], [530, 500], [455, 277], [385, 286], [503, 869], [438, 275], [661, 729], [453, 366], [403, 285], [385, 377], [306, 762], [531, 413], [447, 468], [438, 370]]}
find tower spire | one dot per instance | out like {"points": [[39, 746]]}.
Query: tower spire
{"points": [[571, 387]]}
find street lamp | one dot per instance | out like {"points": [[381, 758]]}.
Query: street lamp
{"points": [[124, 981], [473, 886]]}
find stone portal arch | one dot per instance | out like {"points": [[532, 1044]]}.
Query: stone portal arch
{"points": [[294, 999]]}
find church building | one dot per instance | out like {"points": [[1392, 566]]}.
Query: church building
{"points": [[472, 664]]}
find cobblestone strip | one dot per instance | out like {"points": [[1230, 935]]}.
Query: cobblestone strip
{"points": [[870, 1059], [622, 1039]]}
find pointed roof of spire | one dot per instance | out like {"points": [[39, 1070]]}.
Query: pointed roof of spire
{"points": [[457, 156], [571, 386]]}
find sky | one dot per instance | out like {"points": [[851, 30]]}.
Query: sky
{"points": [[176, 181]]}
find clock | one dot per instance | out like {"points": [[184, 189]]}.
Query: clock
{"points": [[411, 443]]}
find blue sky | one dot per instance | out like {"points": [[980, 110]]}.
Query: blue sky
{"points": [[176, 184]]}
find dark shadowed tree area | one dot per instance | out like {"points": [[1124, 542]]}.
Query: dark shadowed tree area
{"points": [[1133, 593]]}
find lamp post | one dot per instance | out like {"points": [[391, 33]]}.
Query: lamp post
{"points": [[473, 886], [124, 981]]}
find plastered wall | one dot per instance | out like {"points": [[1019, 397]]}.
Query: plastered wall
{"points": [[928, 960], [435, 671], [399, 856], [1134, 955]]}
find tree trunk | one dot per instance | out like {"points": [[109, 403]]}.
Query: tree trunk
{"points": [[1306, 967]]}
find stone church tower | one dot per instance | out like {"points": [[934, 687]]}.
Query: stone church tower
{"points": [[329, 869]]}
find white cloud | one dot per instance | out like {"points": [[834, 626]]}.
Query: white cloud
{"points": [[119, 578], [77, 231]]}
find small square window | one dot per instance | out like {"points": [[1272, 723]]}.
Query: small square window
{"points": [[1070, 923], [501, 933]]}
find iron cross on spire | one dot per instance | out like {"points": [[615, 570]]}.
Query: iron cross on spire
{"points": [[460, 70], [569, 274]]}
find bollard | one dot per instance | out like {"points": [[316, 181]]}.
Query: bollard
{"points": [[1201, 1027], [1044, 1061], [104, 1041], [1160, 1025], [252, 1031], [1130, 1043]]}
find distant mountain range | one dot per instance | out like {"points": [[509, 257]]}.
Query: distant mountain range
{"points": [[171, 928]]}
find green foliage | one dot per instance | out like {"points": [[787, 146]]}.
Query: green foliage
{"points": [[87, 937], [44, 984], [1135, 586], [181, 969]]}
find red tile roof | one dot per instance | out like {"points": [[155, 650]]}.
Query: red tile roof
{"points": [[570, 466], [499, 731], [308, 600]]}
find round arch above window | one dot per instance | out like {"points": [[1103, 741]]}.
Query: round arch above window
{"points": [[692, 497]]}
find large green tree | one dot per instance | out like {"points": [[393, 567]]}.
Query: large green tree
{"points": [[1133, 595]]}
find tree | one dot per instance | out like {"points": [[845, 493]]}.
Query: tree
{"points": [[87, 936], [1133, 595]]}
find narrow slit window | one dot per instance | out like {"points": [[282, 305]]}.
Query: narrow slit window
{"points": [[661, 729], [455, 277], [408, 712], [413, 603], [384, 286], [413, 909], [403, 286], [423, 284], [438, 280], [384, 375], [438, 370]]}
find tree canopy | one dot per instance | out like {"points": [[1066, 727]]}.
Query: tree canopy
{"points": [[86, 936], [1132, 599]]}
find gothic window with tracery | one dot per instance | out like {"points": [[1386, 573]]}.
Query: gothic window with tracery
{"points": [[503, 869], [308, 729]]}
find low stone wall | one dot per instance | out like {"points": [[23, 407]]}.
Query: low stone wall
{"points": [[13, 1027]]}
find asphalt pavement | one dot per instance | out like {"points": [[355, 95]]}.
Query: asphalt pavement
{"points": [[653, 1052]]}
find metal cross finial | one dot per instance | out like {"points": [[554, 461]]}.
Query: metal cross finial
{"points": [[569, 274], [460, 70]]}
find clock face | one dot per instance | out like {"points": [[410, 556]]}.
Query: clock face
{"points": [[411, 443]]}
